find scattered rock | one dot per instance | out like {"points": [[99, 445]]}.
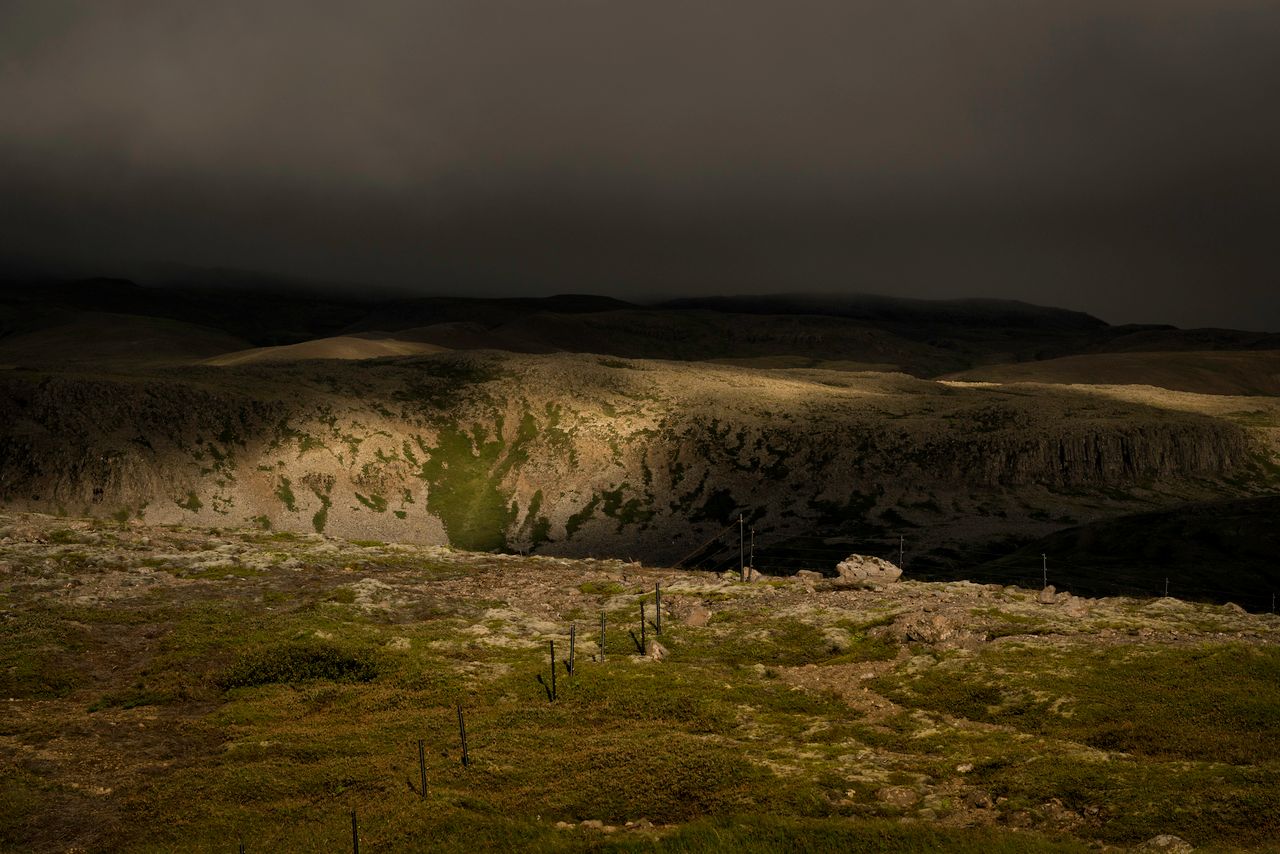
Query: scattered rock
{"points": [[752, 574], [698, 616], [1055, 812], [979, 800], [657, 651], [592, 824], [372, 593], [837, 639], [864, 568], [1233, 608], [1166, 842], [1076, 607], [809, 574], [964, 768], [932, 629], [398, 644], [898, 796], [1047, 596]]}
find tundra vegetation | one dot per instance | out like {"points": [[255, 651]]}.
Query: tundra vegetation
{"points": [[178, 688]]}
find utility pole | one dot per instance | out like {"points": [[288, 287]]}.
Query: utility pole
{"points": [[1166, 588], [1044, 566], [742, 561], [752, 562], [901, 547]]}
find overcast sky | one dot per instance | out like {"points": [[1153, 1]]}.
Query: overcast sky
{"points": [[1116, 156]]}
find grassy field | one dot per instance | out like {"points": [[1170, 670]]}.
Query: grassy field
{"points": [[175, 689]]}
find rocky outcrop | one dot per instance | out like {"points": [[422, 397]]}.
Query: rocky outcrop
{"points": [[863, 569], [577, 454]]}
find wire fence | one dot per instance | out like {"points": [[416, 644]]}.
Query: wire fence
{"points": [[735, 546]]}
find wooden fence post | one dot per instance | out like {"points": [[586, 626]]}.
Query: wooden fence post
{"points": [[422, 767], [462, 733], [644, 643], [657, 606]]}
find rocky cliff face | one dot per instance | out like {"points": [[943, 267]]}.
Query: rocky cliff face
{"points": [[579, 454]]}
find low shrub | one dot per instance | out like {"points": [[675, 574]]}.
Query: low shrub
{"points": [[299, 662]]}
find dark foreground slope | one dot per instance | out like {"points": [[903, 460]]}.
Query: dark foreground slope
{"points": [[1216, 552]]}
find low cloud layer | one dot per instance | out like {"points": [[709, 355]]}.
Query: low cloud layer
{"points": [[1116, 158]]}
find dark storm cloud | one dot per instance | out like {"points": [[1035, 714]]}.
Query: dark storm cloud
{"points": [[1115, 157]]}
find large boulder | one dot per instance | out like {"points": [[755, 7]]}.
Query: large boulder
{"points": [[867, 570]]}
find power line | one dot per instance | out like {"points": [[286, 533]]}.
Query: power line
{"points": [[717, 536]]}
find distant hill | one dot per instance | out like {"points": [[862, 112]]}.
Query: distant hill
{"points": [[1242, 372], [695, 336], [926, 338], [101, 339], [900, 310], [258, 317], [1124, 339], [339, 347], [394, 315]]}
